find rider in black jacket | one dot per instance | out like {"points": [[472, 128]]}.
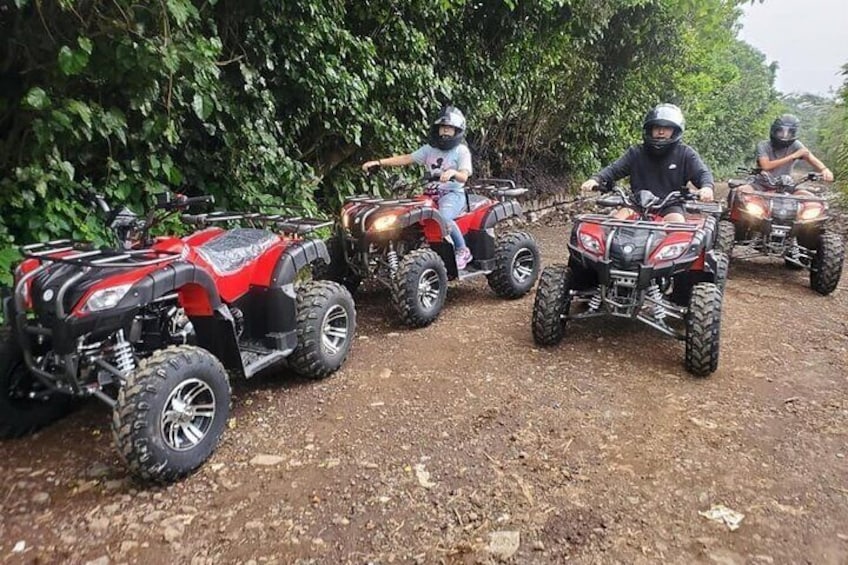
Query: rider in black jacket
{"points": [[662, 164]]}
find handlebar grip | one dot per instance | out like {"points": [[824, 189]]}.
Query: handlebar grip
{"points": [[188, 201], [373, 169], [192, 218]]}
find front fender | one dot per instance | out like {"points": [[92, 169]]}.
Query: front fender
{"points": [[424, 216]]}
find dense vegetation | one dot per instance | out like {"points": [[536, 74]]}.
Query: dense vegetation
{"points": [[261, 102]]}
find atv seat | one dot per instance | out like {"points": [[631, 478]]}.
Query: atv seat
{"points": [[476, 201], [230, 251]]}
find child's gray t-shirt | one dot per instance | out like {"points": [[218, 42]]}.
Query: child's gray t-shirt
{"points": [[436, 161], [765, 149]]}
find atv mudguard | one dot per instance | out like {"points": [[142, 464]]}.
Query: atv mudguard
{"points": [[481, 238], [431, 220], [500, 212], [270, 311]]}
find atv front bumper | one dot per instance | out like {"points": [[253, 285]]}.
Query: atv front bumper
{"points": [[642, 276]]}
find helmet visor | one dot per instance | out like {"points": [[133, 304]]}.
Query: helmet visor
{"points": [[785, 133]]}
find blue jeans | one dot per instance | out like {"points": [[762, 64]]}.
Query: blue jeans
{"points": [[451, 205]]}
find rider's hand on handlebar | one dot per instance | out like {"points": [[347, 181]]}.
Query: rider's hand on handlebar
{"points": [[587, 187], [448, 175], [368, 165], [705, 194], [827, 175]]}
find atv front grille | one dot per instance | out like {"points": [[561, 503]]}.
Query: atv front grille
{"points": [[627, 279]]}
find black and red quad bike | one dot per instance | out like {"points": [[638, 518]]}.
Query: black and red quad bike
{"points": [[778, 222], [404, 244], [666, 275], [100, 322]]}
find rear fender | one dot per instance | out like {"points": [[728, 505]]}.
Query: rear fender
{"points": [[500, 212], [280, 300], [297, 256], [474, 220]]}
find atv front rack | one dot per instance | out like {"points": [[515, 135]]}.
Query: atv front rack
{"points": [[83, 254], [610, 222], [296, 225], [768, 195]]}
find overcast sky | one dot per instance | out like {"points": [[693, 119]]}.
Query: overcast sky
{"points": [[807, 38]]}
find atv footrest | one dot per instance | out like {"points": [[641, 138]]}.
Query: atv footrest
{"points": [[470, 272], [477, 268], [282, 341], [255, 357]]}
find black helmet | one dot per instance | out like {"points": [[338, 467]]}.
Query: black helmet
{"points": [[667, 115], [449, 116], [784, 131]]}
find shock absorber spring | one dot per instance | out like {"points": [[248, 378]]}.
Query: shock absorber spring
{"points": [[655, 294], [122, 354], [595, 301], [392, 259]]}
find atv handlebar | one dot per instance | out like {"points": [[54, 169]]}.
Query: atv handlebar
{"points": [[182, 201], [621, 198]]}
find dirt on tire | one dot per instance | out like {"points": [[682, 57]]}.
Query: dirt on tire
{"points": [[464, 442]]}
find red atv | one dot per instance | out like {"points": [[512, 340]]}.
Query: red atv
{"points": [[666, 275], [103, 323], [778, 222], [404, 244]]}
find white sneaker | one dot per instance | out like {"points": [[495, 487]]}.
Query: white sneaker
{"points": [[463, 257]]}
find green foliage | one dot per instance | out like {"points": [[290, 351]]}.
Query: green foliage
{"points": [[262, 103], [833, 140]]}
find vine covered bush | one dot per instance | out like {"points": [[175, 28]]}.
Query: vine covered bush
{"points": [[268, 103]]}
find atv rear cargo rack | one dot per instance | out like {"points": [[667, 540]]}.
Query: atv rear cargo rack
{"points": [[84, 254], [500, 188], [298, 225], [376, 200]]}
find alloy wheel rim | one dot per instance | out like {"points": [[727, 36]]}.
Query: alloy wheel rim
{"points": [[429, 287], [335, 329], [522, 265], [188, 415]]}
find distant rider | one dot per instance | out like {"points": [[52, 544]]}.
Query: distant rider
{"points": [[661, 164], [778, 154], [447, 157]]}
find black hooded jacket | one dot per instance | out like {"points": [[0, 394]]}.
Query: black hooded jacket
{"points": [[660, 174]]}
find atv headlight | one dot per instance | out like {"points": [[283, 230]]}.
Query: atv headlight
{"points": [[105, 298], [384, 222], [810, 211], [671, 251], [590, 243], [755, 209]]}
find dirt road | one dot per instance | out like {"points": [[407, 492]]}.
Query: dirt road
{"points": [[455, 442]]}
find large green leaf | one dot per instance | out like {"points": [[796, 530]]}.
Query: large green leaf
{"points": [[72, 62], [36, 99]]}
